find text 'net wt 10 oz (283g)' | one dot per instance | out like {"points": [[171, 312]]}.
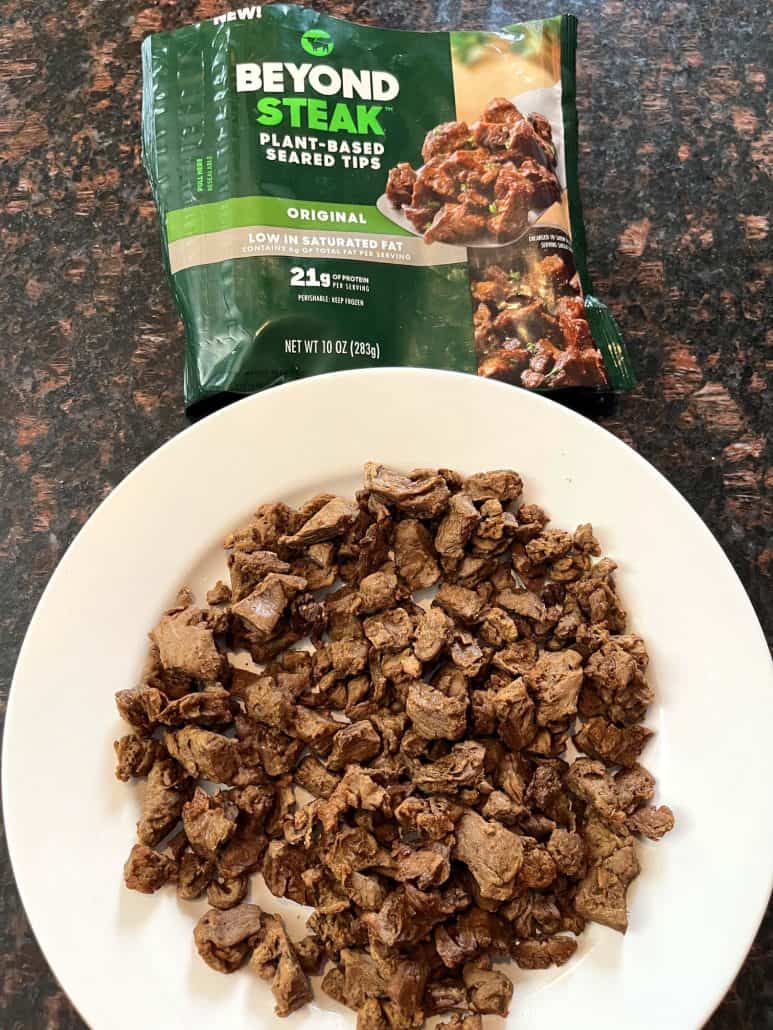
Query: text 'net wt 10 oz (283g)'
{"points": [[334, 196]]}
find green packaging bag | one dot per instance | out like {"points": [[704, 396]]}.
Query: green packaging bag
{"points": [[334, 195]]}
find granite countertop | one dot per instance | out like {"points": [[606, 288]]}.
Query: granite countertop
{"points": [[676, 156]]}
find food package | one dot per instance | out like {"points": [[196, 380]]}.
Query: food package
{"points": [[335, 196]]}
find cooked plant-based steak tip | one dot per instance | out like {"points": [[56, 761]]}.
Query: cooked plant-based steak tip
{"points": [[443, 825], [530, 326], [478, 180]]}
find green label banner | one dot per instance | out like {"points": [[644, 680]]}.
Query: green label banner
{"points": [[243, 212]]}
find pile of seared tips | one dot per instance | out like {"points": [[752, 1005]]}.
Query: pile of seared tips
{"points": [[408, 773], [479, 179]]}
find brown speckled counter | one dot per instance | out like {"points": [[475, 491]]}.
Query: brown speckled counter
{"points": [[676, 159]]}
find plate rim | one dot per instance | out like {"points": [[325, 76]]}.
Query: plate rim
{"points": [[313, 382]]}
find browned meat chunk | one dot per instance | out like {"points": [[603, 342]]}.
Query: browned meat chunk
{"points": [[457, 526], [283, 866], [555, 681], [227, 893], [390, 631], [210, 707], [435, 716], [497, 628], [526, 142], [406, 987], [612, 744], [275, 752], [220, 593], [544, 952], [542, 127], [522, 602], [263, 608], [548, 546], [489, 990], [619, 682], [357, 742], [431, 818], [514, 711], [510, 210], [426, 496], [370, 1016], [504, 485], [356, 789], [312, 775], [352, 851], [378, 591], [400, 182], [651, 822], [186, 644], [471, 934], [203, 754], [348, 657], [567, 850], [332, 520], [414, 555], [242, 854], [601, 895], [310, 953], [409, 914], [591, 782], [501, 807], [433, 633], [141, 707], [455, 223], [208, 822], [248, 568], [492, 854], [538, 870], [444, 139], [263, 530], [546, 791], [494, 134], [463, 767], [194, 874], [585, 541], [461, 603], [500, 110], [634, 786], [162, 803], [363, 978], [135, 755], [314, 729], [224, 939], [147, 870], [275, 959], [505, 363], [269, 702]]}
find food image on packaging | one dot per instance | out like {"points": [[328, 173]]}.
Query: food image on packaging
{"points": [[494, 185], [479, 182], [530, 323]]}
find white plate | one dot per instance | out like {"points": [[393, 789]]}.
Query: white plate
{"points": [[127, 960]]}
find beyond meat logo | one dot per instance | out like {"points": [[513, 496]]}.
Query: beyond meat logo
{"points": [[317, 42]]}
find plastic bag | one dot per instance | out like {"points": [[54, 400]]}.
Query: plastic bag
{"points": [[334, 195]]}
